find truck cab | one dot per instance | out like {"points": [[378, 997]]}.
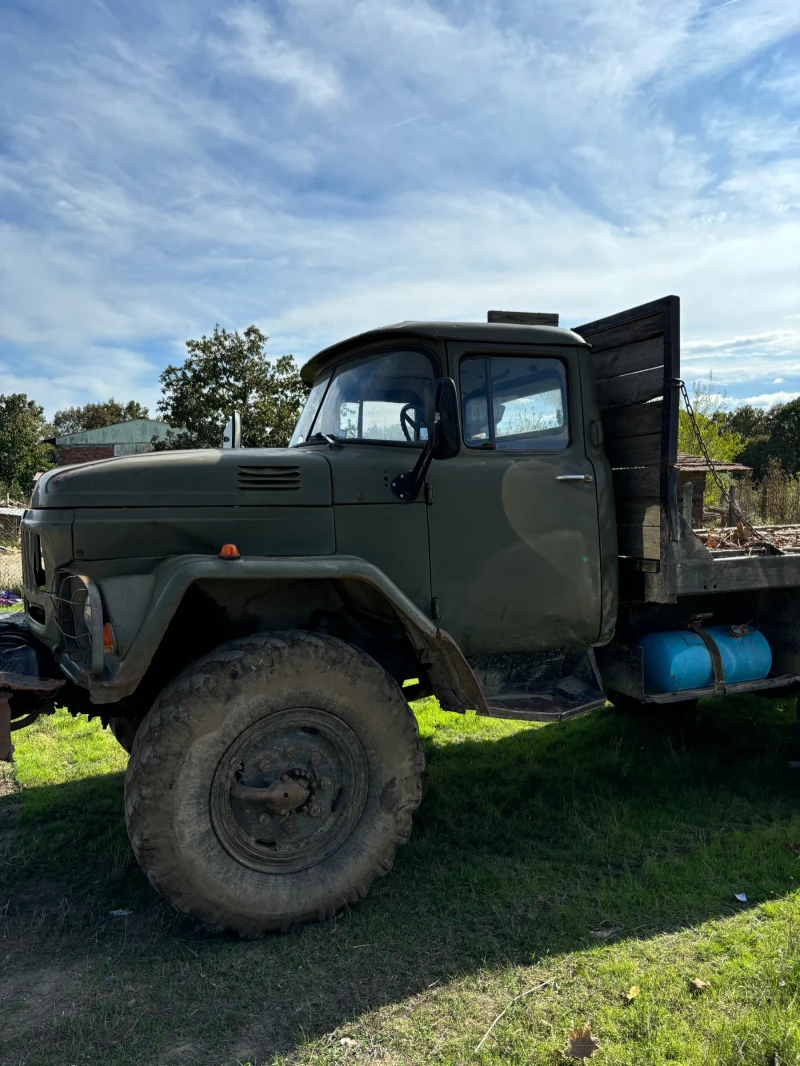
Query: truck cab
{"points": [[521, 515]]}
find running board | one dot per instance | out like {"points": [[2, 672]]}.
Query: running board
{"points": [[539, 686]]}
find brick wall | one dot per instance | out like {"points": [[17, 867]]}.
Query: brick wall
{"points": [[83, 453]]}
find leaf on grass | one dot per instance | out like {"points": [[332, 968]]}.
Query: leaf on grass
{"points": [[795, 847], [631, 994], [348, 1043], [582, 1045], [697, 985], [605, 933]]}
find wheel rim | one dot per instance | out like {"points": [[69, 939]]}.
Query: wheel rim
{"points": [[290, 790]]}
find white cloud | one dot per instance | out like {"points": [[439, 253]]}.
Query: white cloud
{"points": [[322, 170], [256, 50], [768, 399]]}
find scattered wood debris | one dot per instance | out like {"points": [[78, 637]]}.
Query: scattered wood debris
{"points": [[738, 540]]}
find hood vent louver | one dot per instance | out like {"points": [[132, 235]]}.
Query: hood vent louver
{"points": [[268, 478]]}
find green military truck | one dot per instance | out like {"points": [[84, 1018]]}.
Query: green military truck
{"points": [[484, 512]]}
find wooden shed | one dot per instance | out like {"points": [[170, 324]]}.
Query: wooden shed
{"points": [[693, 469]]}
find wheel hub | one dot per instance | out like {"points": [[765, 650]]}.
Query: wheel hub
{"points": [[290, 790]]}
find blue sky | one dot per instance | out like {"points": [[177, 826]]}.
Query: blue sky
{"points": [[320, 167]]}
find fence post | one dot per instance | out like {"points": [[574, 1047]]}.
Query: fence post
{"points": [[732, 519], [687, 503]]}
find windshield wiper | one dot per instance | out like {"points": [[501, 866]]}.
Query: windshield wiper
{"points": [[332, 442]]}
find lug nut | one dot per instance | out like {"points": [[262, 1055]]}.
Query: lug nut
{"points": [[284, 777], [314, 812], [264, 819], [265, 764], [325, 783], [288, 752], [316, 759]]}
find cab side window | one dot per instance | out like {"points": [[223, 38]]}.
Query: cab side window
{"points": [[514, 403]]}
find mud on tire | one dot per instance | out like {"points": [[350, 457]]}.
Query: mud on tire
{"points": [[272, 781]]}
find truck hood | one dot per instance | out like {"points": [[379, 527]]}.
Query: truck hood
{"points": [[240, 477]]}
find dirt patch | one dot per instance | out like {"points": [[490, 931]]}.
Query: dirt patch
{"points": [[8, 782], [35, 999]]}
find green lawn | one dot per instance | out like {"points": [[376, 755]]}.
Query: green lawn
{"points": [[597, 855]]}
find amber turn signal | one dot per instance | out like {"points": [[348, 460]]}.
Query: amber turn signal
{"points": [[229, 551], [109, 640]]}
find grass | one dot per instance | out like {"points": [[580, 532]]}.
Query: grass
{"points": [[596, 855]]}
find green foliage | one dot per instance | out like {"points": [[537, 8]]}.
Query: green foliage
{"points": [[231, 372], [723, 442], [96, 415], [22, 455]]}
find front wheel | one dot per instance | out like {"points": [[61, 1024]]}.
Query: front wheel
{"points": [[272, 781]]}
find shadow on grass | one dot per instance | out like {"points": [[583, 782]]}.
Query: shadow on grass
{"points": [[524, 846]]}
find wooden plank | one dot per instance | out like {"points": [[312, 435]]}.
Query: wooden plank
{"points": [[627, 358], [631, 388], [602, 335], [636, 484], [632, 421], [645, 511], [523, 318], [644, 450], [639, 542], [736, 575]]}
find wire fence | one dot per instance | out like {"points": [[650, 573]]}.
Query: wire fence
{"points": [[10, 556]]}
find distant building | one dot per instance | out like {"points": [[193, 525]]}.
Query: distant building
{"points": [[124, 438]]}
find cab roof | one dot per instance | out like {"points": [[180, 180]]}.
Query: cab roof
{"points": [[495, 332]]}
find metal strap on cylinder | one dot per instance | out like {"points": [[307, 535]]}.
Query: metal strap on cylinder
{"points": [[716, 659]]}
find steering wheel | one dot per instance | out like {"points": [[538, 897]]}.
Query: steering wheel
{"points": [[410, 425]]}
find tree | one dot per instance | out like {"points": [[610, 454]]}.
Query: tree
{"points": [[22, 427], [748, 421], [230, 372], [96, 415], [783, 439], [722, 442]]}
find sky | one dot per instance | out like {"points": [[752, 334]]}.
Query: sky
{"points": [[321, 167]]}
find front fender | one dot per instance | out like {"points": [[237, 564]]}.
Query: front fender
{"points": [[451, 676]]}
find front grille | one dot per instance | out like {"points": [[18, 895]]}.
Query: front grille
{"points": [[268, 478]]}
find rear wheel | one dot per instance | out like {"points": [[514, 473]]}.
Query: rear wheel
{"points": [[272, 781]]}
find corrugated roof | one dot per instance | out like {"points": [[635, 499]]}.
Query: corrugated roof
{"points": [[697, 462]]}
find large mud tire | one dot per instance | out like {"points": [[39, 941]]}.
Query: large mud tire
{"points": [[179, 819]]}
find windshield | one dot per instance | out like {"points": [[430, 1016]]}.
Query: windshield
{"points": [[376, 397], [302, 430]]}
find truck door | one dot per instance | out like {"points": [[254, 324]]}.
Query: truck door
{"points": [[513, 525]]}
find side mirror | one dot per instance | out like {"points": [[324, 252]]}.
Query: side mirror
{"points": [[441, 416]]}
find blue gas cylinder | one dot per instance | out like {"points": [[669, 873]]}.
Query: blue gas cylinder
{"points": [[679, 660]]}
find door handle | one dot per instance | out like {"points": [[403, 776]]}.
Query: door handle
{"points": [[587, 479]]}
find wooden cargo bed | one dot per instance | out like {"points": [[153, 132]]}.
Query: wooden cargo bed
{"points": [[636, 358]]}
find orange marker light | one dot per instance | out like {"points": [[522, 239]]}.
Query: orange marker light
{"points": [[109, 640], [229, 551]]}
